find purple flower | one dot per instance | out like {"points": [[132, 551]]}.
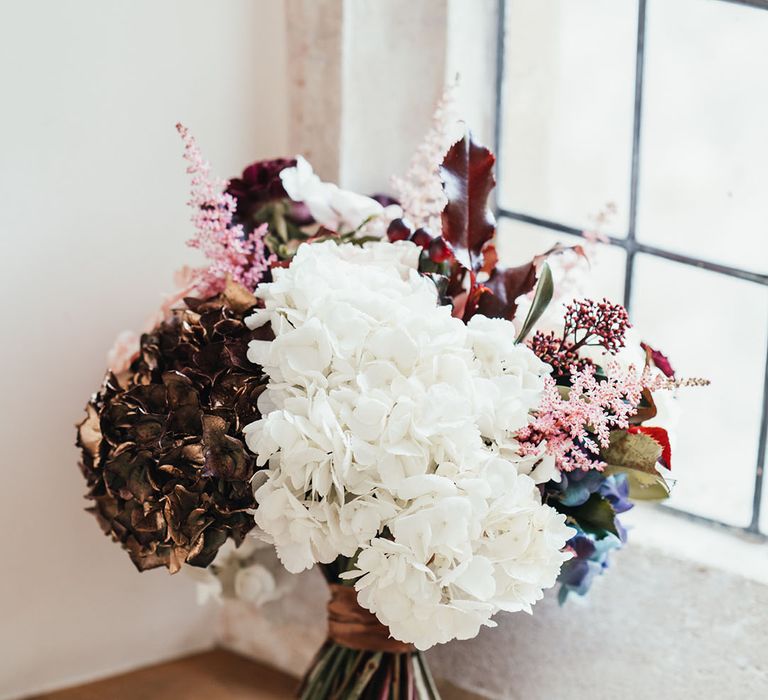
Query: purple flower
{"points": [[576, 487], [577, 573], [615, 489], [590, 559]]}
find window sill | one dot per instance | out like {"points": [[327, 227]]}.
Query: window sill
{"points": [[739, 554]]}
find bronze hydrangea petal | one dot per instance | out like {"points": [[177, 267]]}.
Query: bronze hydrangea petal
{"points": [[225, 456], [167, 470], [204, 551]]}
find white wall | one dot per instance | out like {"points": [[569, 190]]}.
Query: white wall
{"points": [[92, 225]]}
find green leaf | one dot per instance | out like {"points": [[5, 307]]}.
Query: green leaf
{"points": [[542, 296], [642, 485], [633, 451], [596, 516]]}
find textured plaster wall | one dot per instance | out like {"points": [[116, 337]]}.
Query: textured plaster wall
{"points": [[394, 68], [364, 77], [314, 41]]}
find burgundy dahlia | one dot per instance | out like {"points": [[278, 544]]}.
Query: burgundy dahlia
{"points": [[259, 184]]}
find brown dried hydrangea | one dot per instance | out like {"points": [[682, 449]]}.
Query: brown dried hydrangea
{"points": [[162, 451]]}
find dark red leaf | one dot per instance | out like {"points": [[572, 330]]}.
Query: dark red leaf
{"points": [[490, 258], [646, 410], [506, 284], [468, 223]]}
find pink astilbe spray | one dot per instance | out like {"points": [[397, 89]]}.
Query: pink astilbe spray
{"points": [[574, 428], [420, 191], [231, 253]]}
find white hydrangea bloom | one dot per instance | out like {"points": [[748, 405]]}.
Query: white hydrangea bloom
{"points": [[390, 437]]}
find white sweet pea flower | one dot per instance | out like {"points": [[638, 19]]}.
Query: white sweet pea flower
{"points": [[250, 572], [336, 209], [255, 584]]}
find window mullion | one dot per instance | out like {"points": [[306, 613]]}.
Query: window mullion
{"points": [[500, 54], [762, 447], [635, 174]]}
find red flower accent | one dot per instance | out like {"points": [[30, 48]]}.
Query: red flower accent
{"points": [[660, 436]]}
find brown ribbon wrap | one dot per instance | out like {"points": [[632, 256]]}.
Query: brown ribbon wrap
{"points": [[356, 628]]}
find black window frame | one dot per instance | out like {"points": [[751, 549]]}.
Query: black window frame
{"points": [[632, 246]]}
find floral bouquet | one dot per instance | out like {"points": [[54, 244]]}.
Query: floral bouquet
{"points": [[359, 383]]}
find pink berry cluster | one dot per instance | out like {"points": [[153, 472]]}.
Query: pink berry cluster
{"points": [[587, 323], [603, 323], [232, 254], [436, 247], [558, 353]]}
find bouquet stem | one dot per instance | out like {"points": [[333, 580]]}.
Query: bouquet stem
{"points": [[342, 673], [360, 660]]}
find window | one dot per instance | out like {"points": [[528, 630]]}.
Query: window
{"points": [[658, 107]]}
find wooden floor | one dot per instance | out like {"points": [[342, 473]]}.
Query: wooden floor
{"points": [[212, 675]]}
